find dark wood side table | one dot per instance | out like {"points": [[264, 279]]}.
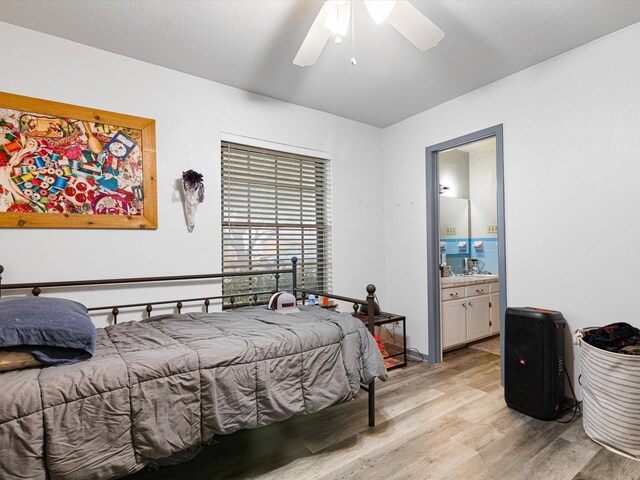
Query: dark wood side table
{"points": [[396, 353]]}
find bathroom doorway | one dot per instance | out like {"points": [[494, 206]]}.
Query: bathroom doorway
{"points": [[465, 241]]}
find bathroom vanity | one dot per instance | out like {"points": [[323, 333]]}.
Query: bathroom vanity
{"points": [[470, 308]]}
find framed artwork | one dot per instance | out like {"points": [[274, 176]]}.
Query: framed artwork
{"points": [[64, 166]]}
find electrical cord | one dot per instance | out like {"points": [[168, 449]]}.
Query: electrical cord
{"points": [[481, 268], [422, 358], [575, 405]]}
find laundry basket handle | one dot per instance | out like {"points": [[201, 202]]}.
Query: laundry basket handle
{"points": [[577, 336]]}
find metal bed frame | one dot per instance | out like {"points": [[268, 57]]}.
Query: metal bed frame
{"points": [[36, 290]]}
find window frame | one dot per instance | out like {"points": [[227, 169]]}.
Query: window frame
{"points": [[282, 189]]}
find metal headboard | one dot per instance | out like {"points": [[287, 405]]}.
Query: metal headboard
{"points": [[37, 287]]}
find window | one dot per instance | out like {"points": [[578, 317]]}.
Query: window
{"points": [[275, 205]]}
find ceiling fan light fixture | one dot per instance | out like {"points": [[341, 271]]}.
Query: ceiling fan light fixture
{"points": [[379, 9], [338, 14], [334, 16]]}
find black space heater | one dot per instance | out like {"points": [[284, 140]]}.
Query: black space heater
{"points": [[534, 361]]}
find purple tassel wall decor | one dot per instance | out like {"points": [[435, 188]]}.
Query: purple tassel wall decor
{"points": [[193, 186]]}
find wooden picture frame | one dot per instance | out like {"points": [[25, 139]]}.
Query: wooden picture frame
{"points": [[65, 166]]}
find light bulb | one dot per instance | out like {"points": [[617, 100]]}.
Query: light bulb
{"points": [[379, 9], [338, 14]]}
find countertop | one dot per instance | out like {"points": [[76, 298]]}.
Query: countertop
{"points": [[462, 280]]}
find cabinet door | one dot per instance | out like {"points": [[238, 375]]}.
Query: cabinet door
{"points": [[478, 317], [454, 323], [495, 312]]}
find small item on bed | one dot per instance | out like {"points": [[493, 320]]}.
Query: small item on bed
{"points": [[54, 330], [283, 302]]}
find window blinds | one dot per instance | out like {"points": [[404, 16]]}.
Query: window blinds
{"points": [[275, 205]]}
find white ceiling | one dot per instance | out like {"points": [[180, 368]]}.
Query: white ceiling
{"points": [[250, 44]]}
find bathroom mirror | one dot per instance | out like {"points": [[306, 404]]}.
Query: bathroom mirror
{"points": [[454, 225]]}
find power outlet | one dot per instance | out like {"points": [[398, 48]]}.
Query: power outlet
{"points": [[450, 230], [492, 228]]}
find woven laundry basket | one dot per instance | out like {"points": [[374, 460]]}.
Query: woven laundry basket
{"points": [[611, 398]]}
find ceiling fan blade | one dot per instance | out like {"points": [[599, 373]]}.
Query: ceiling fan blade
{"points": [[417, 28], [315, 40]]}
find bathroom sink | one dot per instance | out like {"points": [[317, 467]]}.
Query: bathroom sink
{"points": [[467, 278]]}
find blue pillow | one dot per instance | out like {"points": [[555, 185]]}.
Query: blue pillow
{"points": [[54, 330]]}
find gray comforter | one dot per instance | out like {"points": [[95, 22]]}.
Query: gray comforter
{"points": [[156, 387]]}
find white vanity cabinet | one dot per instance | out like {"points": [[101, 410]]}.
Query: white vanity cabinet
{"points": [[469, 312], [494, 302], [478, 317], [454, 322]]}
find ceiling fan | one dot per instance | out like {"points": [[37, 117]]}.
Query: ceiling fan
{"points": [[334, 19]]}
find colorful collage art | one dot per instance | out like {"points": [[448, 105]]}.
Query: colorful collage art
{"points": [[62, 165]]}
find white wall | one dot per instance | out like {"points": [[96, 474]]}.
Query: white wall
{"points": [[191, 114], [572, 189]]}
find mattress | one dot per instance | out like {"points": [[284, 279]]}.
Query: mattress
{"points": [[156, 387]]}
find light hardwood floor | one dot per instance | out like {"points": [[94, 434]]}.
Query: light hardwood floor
{"points": [[446, 421]]}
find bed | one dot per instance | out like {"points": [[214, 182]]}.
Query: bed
{"points": [[156, 387]]}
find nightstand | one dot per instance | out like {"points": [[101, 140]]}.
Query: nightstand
{"points": [[395, 346]]}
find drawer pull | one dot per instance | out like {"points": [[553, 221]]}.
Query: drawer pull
{"points": [[480, 290], [454, 294]]}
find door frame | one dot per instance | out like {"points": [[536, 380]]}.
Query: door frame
{"points": [[433, 236]]}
